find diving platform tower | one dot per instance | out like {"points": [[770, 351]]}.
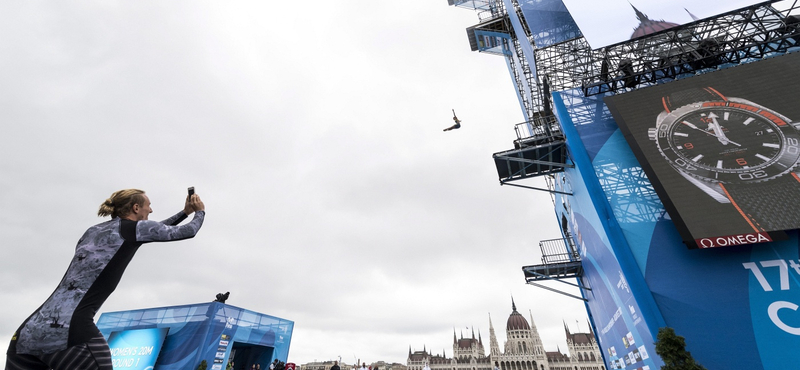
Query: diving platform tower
{"points": [[620, 245], [539, 148]]}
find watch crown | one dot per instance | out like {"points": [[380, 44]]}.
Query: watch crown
{"points": [[652, 133]]}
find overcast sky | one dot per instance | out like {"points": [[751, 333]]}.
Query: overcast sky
{"points": [[313, 133]]}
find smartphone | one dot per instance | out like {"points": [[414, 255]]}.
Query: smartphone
{"points": [[191, 191]]}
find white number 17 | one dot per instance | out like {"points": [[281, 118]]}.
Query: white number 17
{"points": [[784, 273]]}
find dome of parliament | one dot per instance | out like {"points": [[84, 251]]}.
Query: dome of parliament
{"points": [[516, 321]]}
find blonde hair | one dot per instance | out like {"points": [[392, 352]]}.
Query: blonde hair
{"points": [[121, 203]]}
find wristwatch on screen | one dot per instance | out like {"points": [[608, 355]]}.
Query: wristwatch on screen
{"points": [[736, 151]]}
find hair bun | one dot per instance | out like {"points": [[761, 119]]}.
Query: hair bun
{"points": [[121, 202]]}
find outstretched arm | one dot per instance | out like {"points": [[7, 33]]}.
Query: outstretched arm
{"points": [[151, 231], [177, 218]]}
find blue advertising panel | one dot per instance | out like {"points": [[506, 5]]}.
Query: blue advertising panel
{"points": [[549, 21], [621, 310], [136, 349], [622, 334]]}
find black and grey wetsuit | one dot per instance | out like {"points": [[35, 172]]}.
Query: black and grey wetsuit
{"points": [[67, 317]]}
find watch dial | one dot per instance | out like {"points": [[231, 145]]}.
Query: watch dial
{"points": [[729, 142], [726, 140]]}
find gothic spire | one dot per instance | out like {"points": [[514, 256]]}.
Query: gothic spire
{"points": [[694, 18], [533, 324], [494, 348], [639, 15]]}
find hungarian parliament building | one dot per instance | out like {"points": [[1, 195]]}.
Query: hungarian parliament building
{"points": [[523, 350]]}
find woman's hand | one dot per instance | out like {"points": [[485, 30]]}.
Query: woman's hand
{"points": [[196, 203], [193, 203]]}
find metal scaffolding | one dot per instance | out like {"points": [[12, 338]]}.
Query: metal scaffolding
{"points": [[738, 36], [630, 193]]}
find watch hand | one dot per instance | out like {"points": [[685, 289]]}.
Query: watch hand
{"points": [[700, 129], [731, 142], [714, 125], [692, 126], [712, 134]]}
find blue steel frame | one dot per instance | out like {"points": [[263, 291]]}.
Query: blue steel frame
{"points": [[578, 154]]}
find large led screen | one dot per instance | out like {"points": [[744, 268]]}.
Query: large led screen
{"points": [[721, 150], [136, 349]]}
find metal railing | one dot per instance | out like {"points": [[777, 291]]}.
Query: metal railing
{"points": [[472, 4], [537, 127], [558, 251]]}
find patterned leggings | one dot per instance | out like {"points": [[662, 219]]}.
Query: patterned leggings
{"points": [[93, 355]]}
